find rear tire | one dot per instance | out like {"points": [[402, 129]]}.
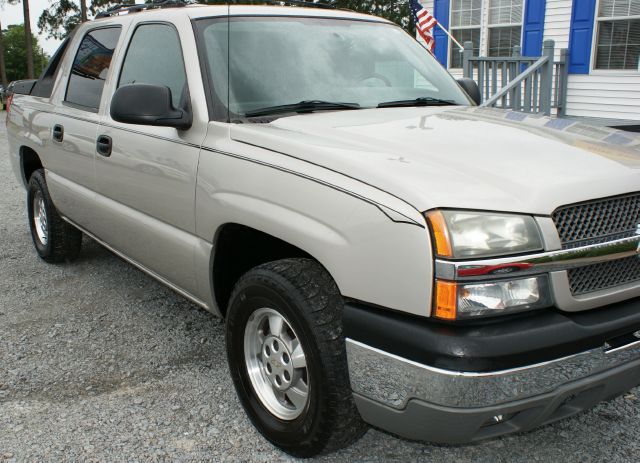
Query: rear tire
{"points": [[287, 357], [54, 239]]}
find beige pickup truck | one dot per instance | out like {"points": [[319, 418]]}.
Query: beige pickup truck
{"points": [[383, 250]]}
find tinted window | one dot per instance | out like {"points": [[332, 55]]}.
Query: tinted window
{"points": [[90, 67], [155, 57], [44, 86]]}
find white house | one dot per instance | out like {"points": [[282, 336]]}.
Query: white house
{"points": [[602, 36]]}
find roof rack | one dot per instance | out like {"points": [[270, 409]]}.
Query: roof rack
{"points": [[138, 7], [330, 4]]}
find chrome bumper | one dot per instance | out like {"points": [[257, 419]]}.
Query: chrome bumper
{"points": [[394, 381]]}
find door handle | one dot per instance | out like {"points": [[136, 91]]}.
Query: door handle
{"points": [[58, 133], [104, 145]]}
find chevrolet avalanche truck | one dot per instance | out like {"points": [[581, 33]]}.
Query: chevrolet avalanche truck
{"points": [[384, 251]]}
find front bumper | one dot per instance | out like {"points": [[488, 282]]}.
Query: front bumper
{"points": [[417, 400]]}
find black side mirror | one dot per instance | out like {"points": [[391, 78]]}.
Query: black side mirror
{"points": [[471, 88], [146, 104], [23, 87]]}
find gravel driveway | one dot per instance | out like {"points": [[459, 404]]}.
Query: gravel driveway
{"points": [[99, 362]]}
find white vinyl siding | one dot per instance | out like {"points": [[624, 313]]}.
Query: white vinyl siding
{"points": [[606, 96], [602, 94], [557, 23]]}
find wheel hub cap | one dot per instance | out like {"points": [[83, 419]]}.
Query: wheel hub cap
{"points": [[276, 361], [276, 364]]}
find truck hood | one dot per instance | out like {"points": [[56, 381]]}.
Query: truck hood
{"points": [[472, 158]]}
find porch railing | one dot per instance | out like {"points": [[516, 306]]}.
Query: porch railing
{"points": [[521, 83]]}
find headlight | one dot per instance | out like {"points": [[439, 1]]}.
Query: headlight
{"points": [[469, 234], [458, 301], [479, 235]]}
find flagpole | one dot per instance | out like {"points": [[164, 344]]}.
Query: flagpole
{"points": [[450, 36]]}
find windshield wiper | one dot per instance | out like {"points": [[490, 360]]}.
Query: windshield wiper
{"points": [[301, 107], [422, 101]]}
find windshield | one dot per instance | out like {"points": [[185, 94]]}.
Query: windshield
{"points": [[263, 62]]}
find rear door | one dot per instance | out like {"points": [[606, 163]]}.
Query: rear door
{"points": [[73, 127], [146, 185]]}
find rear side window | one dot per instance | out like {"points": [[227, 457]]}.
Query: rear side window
{"points": [[90, 68], [155, 57], [44, 86]]}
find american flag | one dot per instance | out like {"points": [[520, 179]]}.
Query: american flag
{"points": [[425, 22]]}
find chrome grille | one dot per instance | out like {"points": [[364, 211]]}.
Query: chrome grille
{"points": [[605, 275], [598, 221]]}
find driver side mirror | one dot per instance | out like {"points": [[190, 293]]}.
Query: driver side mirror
{"points": [[471, 88], [146, 104]]}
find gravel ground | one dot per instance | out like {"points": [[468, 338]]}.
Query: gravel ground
{"points": [[100, 362]]}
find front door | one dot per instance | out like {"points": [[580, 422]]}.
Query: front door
{"points": [[146, 175]]}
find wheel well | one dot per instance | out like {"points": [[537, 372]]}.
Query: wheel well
{"points": [[30, 162], [237, 250]]}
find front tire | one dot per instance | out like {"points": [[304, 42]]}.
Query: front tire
{"points": [[287, 357], [54, 239]]}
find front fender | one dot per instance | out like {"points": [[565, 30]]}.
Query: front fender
{"points": [[376, 250]]}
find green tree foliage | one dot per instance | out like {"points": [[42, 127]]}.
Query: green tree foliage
{"points": [[3, 68], [15, 54], [64, 15], [28, 35], [398, 11], [59, 19]]}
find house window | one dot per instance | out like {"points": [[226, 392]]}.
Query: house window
{"points": [[466, 21], [505, 26], [618, 43]]}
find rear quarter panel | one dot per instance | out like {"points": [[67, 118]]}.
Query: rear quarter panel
{"points": [[28, 124]]}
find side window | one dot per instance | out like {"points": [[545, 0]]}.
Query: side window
{"points": [[90, 67], [155, 57], [44, 85]]}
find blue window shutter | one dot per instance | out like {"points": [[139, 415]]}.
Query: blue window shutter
{"points": [[533, 27], [581, 35], [441, 13]]}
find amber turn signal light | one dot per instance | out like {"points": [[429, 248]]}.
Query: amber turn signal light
{"points": [[440, 233], [446, 298]]}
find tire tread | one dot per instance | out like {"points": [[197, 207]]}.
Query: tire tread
{"points": [[315, 290], [65, 240]]}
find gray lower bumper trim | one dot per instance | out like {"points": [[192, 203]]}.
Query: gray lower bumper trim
{"points": [[421, 420], [394, 381]]}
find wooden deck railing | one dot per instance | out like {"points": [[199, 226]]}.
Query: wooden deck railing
{"points": [[521, 83]]}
